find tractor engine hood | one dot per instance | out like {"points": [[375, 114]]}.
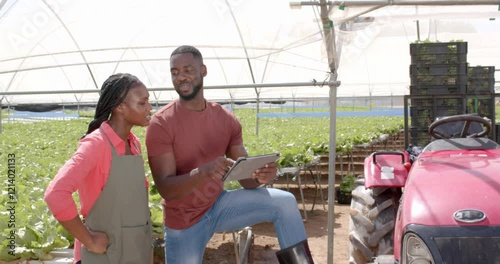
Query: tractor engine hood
{"points": [[450, 188]]}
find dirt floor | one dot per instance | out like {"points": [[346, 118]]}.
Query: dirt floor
{"points": [[220, 249]]}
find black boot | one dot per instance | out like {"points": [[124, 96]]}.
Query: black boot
{"points": [[296, 254]]}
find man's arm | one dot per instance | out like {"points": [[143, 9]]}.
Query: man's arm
{"points": [[171, 186], [260, 176]]}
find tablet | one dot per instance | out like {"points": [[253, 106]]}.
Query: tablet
{"points": [[243, 167]]}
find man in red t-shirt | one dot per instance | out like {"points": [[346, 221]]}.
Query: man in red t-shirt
{"points": [[191, 143]]}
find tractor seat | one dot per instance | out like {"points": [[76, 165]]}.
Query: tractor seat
{"points": [[461, 143]]}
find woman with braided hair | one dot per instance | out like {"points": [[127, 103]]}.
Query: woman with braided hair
{"points": [[107, 170]]}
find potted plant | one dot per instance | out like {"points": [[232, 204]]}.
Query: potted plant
{"points": [[346, 186]]}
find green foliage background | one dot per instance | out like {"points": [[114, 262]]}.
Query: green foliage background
{"points": [[41, 148]]}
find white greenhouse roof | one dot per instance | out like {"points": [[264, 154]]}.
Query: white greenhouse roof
{"points": [[75, 45]]}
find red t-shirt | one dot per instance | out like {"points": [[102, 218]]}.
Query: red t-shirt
{"points": [[195, 138]]}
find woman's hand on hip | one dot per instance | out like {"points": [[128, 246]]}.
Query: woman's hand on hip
{"points": [[99, 243]]}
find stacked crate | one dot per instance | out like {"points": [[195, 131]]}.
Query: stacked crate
{"points": [[480, 87], [438, 73]]}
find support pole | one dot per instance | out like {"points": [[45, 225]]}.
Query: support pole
{"points": [[329, 38], [221, 87], [1, 115], [257, 113], [418, 31]]}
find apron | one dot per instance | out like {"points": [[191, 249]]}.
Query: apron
{"points": [[122, 212]]}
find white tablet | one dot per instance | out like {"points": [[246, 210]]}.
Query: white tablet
{"points": [[244, 167]]}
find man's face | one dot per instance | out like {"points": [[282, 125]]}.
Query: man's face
{"points": [[187, 75]]}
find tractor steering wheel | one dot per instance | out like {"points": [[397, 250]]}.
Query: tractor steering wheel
{"points": [[468, 119]]}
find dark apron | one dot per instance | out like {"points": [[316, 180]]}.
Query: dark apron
{"points": [[122, 212]]}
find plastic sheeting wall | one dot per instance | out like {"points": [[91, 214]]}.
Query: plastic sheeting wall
{"points": [[76, 45]]}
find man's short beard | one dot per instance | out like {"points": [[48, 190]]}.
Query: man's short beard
{"points": [[191, 96]]}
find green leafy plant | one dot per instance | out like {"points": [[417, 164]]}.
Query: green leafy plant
{"points": [[344, 195], [347, 184]]}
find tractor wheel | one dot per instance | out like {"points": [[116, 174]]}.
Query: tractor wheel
{"points": [[371, 227]]}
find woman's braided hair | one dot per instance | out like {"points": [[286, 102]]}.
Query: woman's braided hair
{"points": [[113, 91]]}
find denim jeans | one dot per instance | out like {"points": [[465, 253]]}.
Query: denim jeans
{"points": [[232, 211]]}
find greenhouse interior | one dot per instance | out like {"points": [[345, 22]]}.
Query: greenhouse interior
{"points": [[259, 54]]}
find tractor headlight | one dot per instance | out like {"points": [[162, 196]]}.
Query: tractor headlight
{"points": [[415, 251]]}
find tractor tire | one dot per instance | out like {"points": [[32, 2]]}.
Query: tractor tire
{"points": [[372, 218]]}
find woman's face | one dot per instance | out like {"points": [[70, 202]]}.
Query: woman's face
{"points": [[137, 110]]}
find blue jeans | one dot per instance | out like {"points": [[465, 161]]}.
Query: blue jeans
{"points": [[232, 211]]}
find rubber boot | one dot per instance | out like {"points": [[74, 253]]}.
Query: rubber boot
{"points": [[296, 254]]}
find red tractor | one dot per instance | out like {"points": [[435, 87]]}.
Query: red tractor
{"points": [[439, 204]]}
